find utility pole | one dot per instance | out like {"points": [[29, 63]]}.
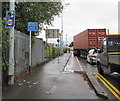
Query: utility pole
{"points": [[11, 50]]}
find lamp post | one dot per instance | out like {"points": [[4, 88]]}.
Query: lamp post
{"points": [[61, 38], [11, 53]]}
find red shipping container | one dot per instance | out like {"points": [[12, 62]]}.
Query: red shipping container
{"points": [[90, 38]]}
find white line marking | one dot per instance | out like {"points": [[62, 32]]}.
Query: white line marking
{"points": [[79, 64]]}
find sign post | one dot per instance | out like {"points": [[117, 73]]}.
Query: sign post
{"points": [[32, 26], [10, 17], [58, 48]]}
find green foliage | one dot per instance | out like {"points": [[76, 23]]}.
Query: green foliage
{"points": [[5, 45], [41, 12], [51, 52], [65, 50]]}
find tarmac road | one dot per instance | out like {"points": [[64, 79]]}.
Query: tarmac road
{"points": [[114, 79], [53, 81]]}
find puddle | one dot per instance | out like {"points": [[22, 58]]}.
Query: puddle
{"points": [[35, 83], [20, 84], [30, 86], [29, 81], [67, 72]]}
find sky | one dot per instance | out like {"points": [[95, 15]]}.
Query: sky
{"points": [[86, 14]]}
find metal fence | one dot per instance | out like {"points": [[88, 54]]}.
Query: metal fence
{"points": [[22, 52]]}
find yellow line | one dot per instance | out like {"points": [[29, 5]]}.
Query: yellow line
{"points": [[114, 93], [79, 64], [117, 91]]}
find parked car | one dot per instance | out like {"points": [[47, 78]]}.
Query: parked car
{"points": [[92, 56]]}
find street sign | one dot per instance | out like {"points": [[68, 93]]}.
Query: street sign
{"points": [[32, 26], [57, 45], [10, 17], [52, 33], [58, 40], [66, 45], [60, 34]]}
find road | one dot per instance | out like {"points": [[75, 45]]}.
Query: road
{"points": [[113, 79], [53, 81]]}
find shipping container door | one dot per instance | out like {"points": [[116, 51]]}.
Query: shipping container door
{"points": [[101, 35], [92, 38]]}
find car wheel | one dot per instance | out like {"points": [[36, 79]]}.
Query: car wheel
{"points": [[99, 68]]}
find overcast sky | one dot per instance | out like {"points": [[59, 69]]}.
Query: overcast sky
{"points": [[85, 14]]}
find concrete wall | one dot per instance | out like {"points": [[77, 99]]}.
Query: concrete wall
{"points": [[22, 52], [38, 52]]}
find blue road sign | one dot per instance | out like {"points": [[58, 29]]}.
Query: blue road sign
{"points": [[32, 26], [10, 17], [57, 45], [58, 40]]}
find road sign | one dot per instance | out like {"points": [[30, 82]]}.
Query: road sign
{"points": [[66, 45], [32, 26], [57, 45], [60, 34], [52, 33], [10, 17], [58, 40]]}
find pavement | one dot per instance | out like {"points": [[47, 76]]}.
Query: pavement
{"points": [[99, 88], [53, 80]]}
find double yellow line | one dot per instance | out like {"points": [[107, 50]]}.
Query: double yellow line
{"points": [[112, 88]]}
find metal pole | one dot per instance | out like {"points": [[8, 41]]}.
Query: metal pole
{"points": [[61, 37], [46, 43], [66, 39], [11, 51], [30, 52], [58, 50]]}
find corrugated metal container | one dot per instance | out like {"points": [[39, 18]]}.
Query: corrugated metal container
{"points": [[90, 38]]}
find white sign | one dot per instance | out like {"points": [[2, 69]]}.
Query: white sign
{"points": [[52, 33]]}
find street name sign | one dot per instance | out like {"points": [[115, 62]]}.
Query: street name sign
{"points": [[32, 26]]}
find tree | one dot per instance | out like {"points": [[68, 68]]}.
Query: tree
{"points": [[42, 12]]}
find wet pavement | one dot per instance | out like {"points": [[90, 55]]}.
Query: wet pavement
{"points": [[114, 79], [53, 81]]}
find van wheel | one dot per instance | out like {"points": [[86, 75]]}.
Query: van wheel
{"points": [[99, 68]]}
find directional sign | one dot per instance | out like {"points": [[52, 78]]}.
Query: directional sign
{"points": [[52, 33], [10, 17], [32, 26]]}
